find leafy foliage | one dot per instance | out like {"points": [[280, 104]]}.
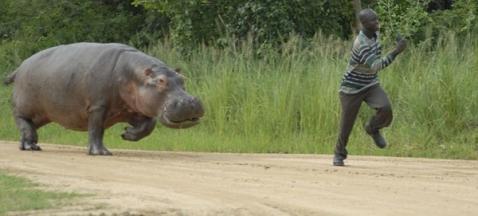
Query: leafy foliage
{"points": [[405, 17], [461, 19], [412, 18], [28, 26], [268, 21]]}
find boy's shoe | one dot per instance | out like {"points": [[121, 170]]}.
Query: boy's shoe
{"points": [[377, 136], [338, 160]]}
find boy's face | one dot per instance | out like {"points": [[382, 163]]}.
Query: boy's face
{"points": [[370, 22]]}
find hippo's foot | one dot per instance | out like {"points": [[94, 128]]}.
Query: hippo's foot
{"points": [[29, 146], [95, 150], [130, 134]]}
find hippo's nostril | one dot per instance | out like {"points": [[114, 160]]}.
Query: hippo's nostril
{"points": [[178, 104]]}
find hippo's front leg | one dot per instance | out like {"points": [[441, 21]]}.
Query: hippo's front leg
{"points": [[96, 131], [142, 127]]}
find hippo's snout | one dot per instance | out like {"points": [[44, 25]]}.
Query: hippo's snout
{"points": [[182, 113], [185, 109]]}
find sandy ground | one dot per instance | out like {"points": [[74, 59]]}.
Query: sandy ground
{"points": [[177, 183]]}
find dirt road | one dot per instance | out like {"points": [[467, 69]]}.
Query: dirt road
{"points": [[174, 183]]}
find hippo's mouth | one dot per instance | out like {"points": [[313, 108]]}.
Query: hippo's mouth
{"points": [[186, 123]]}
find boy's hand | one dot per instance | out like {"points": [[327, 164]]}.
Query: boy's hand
{"points": [[399, 37], [401, 45]]}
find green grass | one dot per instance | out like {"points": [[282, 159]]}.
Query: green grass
{"points": [[20, 194], [287, 101]]}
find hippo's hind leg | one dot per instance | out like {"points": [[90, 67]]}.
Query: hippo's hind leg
{"points": [[96, 131], [29, 136], [142, 127]]}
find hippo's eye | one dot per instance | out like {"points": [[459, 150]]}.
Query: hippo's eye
{"points": [[161, 83]]}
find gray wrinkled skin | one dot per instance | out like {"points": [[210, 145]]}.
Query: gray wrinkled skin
{"points": [[91, 86]]}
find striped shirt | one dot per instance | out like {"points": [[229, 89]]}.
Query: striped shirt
{"points": [[364, 64]]}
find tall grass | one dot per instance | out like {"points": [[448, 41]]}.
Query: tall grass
{"points": [[287, 101]]}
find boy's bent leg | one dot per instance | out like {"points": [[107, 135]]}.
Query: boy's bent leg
{"points": [[350, 106], [378, 99]]}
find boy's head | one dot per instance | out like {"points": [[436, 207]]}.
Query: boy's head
{"points": [[369, 20]]}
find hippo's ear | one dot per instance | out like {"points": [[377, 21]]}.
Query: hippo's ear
{"points": [[178, 70]]}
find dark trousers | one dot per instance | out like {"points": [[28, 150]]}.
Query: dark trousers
{"points": [[377, 99]]}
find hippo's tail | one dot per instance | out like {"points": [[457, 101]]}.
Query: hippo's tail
{"points": [[10, 78]]}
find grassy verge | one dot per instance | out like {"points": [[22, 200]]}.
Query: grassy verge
{"points": [[19, 194], [287, 102]]}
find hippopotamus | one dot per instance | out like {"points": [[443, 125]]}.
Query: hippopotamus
{"points": [[92, 86]]}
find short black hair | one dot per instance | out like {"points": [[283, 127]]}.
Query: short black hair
{"points": [[365, 14]]}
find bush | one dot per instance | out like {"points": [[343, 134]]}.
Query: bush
{"points": [[461, 19], [29, 26], [268, 21], [426, 20]]}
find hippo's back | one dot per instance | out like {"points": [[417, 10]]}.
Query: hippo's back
{"points": [[77, 57], [57, 84]]}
